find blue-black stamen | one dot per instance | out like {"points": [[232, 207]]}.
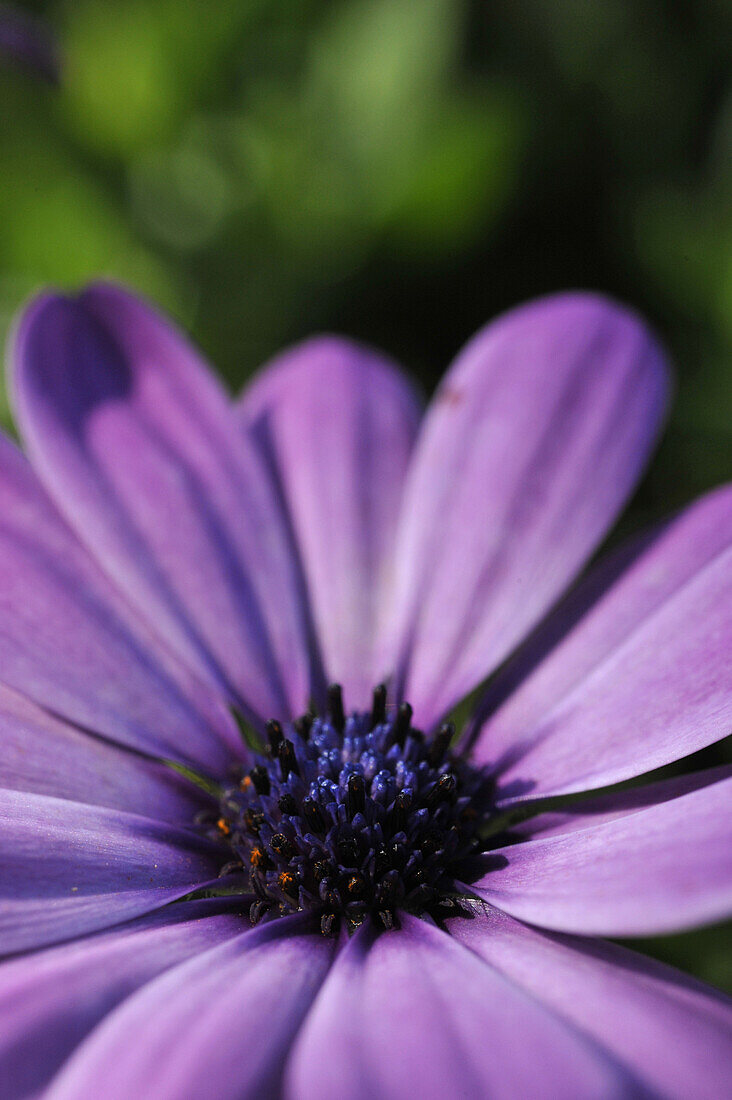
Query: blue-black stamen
{"points": [[386, 891], [431, 842], [443, 790], [356, 885], [260, 779], [287, 804], [402, 724], [378, 706], [303, 725], [329, 924], [382, 861], [355, 796], [259, 909], [440, 744], [313, 815], [322, 869], [288, 760], [282, 846], [275, 735], [253, 820], [335, 708], [347, 851], [259, 860], [286, 882], [400, 810]]}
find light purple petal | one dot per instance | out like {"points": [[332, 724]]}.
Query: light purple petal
{"points": [[67, 869], [532, 444], [219, 1025], [642, 679], [70, 642], [672, 1031], [609, 805], [44, 755], [415, 1014], [338, 422], [142, 453], [662, 869], [50, 1001]]}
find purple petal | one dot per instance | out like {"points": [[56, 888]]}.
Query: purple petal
{"points": [[70, 642], [651, 655], [219, 1025], [612, 804], [44, 755], [415, 1014], [28, 43], [672, 1031], [50, 1001], [141, 451], [661, 869], [67, 869], [531, 446], [337, 422]]}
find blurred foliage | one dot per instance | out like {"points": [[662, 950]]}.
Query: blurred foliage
{"points": [[252, 167], [400, 170]]}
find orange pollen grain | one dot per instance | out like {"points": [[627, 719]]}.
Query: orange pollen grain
{"points": [[223, 826]]}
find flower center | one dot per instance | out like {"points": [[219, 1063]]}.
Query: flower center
{"points": [[354, 816]]}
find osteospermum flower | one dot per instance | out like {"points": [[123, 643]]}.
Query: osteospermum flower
{"points": [[357, 900]]}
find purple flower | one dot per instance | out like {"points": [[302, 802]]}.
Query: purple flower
{"points": [[28, 43], [366, 907]]}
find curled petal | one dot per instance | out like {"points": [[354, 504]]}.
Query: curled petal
{"points": [[141, 452]]}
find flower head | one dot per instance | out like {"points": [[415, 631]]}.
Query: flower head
{"points": [[355, 898], [356, 818]]}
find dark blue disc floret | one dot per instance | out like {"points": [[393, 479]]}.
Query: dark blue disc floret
{"points": [[353, 816]]}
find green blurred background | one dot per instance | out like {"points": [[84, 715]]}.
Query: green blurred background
{"points": [[399, 170]]}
